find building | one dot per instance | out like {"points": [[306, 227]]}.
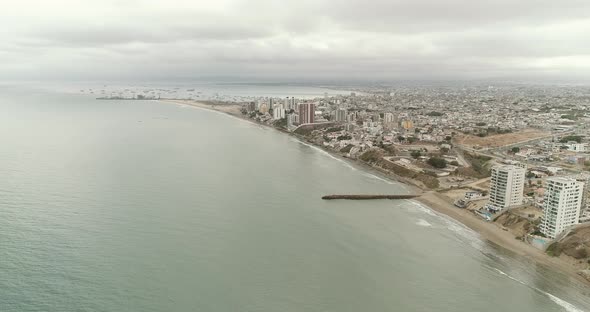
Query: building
{"points": [[388, 117], [577, 147], [250, 107], [306, 113], [263, 108], [407, 124], [506, 187], [561, 206], [278, 112], [340, 115]]}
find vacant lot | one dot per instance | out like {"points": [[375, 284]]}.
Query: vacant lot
{"points": [[499, 140]]}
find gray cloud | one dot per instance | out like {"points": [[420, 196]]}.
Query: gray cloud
{"points": [[268, 39]]}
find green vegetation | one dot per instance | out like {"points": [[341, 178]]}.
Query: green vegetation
{"points": [[411, 139], [569, 117], [344, 137], [479, 166], [372, 156], [375, 157], [481, 124], [437, 162], [515, 149], [390, 149], [347, 148], [454, 163], [554, 250], [493, 130], [434, 114], [415, 154], [281, 123], [334, 129], [568, 138]]}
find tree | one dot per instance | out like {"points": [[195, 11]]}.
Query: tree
{"points": [[444, 150], [454, 163], [515, 149], [448, 138], [401, 138], [437, 162], [415, 154], [569, 138], [412, 140]]}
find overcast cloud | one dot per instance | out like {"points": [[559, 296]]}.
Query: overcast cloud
{"points": [[289, 40]]}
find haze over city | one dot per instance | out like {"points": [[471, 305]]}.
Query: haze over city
{"points": [[295, 40]]}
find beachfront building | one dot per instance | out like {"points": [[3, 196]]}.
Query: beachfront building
{"points": [[306, 113], [278, 112], [340, 115], [561, 206], [506, 187]]}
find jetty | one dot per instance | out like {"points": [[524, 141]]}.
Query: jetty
{"points": [[367, 197]]}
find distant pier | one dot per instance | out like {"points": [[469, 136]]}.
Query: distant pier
{"points": [[367, 197]]}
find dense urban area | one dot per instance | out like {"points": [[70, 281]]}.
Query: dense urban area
{"points": [[512, 155]]}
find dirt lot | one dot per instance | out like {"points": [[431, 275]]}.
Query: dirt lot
{"points": [[501, 139]]}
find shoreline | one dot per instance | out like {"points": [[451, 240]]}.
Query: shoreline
{"points": [[229, 109], [492, 233], [489, 232]]}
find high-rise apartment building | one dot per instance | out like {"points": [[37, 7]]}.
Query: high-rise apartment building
{"points": [[306, 113], [340, 115], [506, 187], [561, 205]]}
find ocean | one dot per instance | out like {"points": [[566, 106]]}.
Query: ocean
{"points": [[151, 206]]}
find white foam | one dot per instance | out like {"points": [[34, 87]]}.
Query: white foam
{"points": [[377, 178], [424, 223], [454, 226], [326, 154], [564, 304]]}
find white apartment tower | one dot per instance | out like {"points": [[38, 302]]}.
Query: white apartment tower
{"points": [[278, 112], [340, 115], [506, 187], [561, 206]]}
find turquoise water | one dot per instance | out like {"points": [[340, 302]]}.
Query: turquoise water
{"points": [[148, 206]]}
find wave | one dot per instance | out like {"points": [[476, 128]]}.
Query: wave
{"points": [[424, 223], [564, 304], [463, 232], [326, 154]]}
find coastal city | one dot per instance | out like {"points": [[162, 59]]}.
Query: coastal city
{"points": [[514, 156]]}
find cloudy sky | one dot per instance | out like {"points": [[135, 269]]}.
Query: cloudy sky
{"points": [[290, 40]]}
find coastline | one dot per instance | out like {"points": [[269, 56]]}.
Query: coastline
{"points": [[493, 233], [233, 110], [488, 231]]}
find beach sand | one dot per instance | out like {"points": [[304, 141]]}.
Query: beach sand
{"points": [[493, 233]]}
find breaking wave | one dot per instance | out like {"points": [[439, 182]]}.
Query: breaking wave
{"points": [[564, 304], [422, 222]]}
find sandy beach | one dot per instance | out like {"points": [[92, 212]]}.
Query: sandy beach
{"points": [[488, 231], [493, 233]]}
